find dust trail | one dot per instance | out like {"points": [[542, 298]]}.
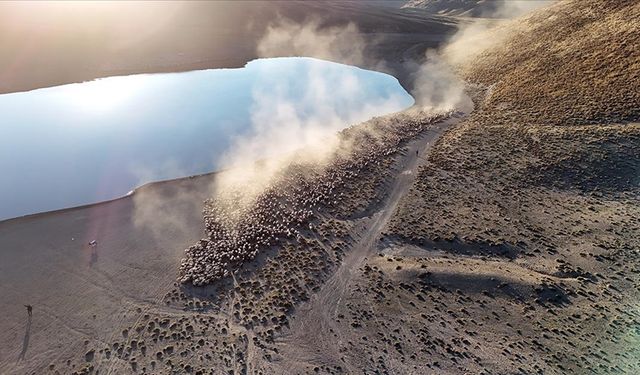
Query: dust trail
{"points": [[310, 125], [162, 211], [337, 43], [307, 124], [278, 124], [492, 28]]}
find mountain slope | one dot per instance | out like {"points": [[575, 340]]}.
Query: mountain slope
{"points": [[572, 63], [543, 176]]}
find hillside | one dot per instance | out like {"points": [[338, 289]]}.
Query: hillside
{"points": [[566, 66], [469, 8], [477, 8], [543, 177]]}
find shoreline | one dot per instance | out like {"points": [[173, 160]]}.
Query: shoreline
{"points": [[406, 34], [138, 187], [168, 182], [85, 298], [159, 183], [148, 185]]}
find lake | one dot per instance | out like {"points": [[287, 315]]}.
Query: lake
{"points": [[83, 143]]}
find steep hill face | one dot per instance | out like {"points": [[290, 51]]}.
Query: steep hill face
{"points": [[471, 8], [477, 8], [563, 73], [576, 62], [545, 174]]}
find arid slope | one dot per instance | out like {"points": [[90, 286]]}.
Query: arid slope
{"points": [[544, 176]]}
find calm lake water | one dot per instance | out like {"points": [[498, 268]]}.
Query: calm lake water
{"points": [[82, 143]]}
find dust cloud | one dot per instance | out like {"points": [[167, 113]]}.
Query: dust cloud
{"points": [[277, 124], [437, 88], [338, 43], [284, 132], [477, 35], [300, 130], [163, 209]]}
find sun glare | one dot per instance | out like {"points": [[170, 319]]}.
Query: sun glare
{"points": [[103, 94]]}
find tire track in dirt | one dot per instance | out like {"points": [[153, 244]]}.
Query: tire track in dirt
{"points": [[311, 337]]}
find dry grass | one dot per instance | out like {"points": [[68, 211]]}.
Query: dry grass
{"points": [[545, 174]]}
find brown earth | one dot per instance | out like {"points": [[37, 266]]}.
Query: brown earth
{"points": [[543, 177]]}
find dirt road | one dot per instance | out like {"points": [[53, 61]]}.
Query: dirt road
{"points": [[313, 337]]}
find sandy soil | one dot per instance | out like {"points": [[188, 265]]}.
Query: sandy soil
{"points": [[319, 314], [84, 295]]}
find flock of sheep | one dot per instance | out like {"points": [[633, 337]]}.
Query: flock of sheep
{"points": [[236, 232]]}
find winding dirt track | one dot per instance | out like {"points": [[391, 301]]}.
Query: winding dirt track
{"points": [[312, 336]]}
